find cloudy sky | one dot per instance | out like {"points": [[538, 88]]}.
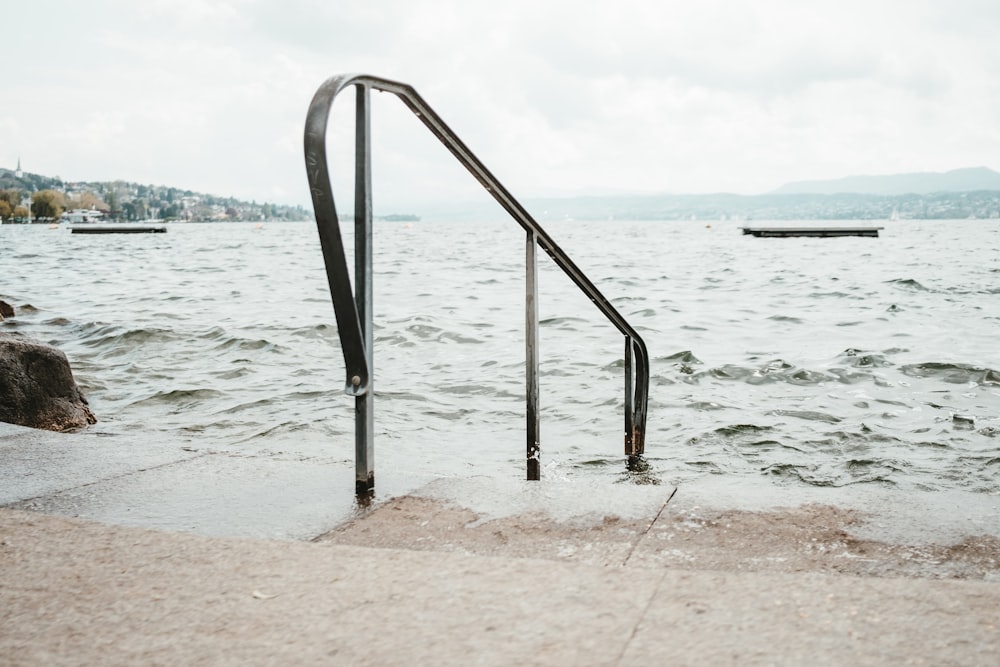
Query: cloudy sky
{"points": [[556, 97]]}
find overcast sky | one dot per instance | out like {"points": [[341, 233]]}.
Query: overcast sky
{"points": [[555, 97]]}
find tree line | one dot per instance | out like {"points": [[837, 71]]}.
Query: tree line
{"points": [[11, 207], [159, 202], [50, 204], [46, 204]]}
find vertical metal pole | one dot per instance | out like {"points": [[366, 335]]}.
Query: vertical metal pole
{"points": [[364, 424], [531, 355], [629, 399]]}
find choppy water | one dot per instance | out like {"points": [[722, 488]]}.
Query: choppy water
{"points": [[815, 362]]}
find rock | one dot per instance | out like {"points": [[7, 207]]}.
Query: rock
{"points": [[6, 310], [37, 388]]}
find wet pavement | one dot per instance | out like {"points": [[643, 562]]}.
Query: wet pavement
{"points": [[120, 551], [157, 483]]}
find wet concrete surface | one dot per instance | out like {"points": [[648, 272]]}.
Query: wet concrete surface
{"points": [[75, 592], [268, 559], [36, 463], [695, 527], [157, 483], [710, 522]]}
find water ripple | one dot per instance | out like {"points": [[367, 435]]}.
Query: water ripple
{"points": [[766, 364]]}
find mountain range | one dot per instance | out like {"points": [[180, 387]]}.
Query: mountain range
{"points": [[958, 194], [958, 180]]}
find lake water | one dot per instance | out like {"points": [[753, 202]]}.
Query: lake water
{"points": [[791, 362]]}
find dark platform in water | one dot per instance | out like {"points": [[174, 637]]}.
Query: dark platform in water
{"points": [[781, 232], [101, 228]]}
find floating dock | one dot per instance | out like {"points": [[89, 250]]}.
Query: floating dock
{"points": [[102, 228], [781, 232]]}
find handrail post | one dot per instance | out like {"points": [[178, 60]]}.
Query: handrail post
{"points": [[629, 399], [531, 356], [364, 404], [635, 406], [353, 309]]}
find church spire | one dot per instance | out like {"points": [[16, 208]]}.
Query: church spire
{"points": [[18, 173]]}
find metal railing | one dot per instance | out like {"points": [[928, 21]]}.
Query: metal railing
{"points": [[353, 308]]}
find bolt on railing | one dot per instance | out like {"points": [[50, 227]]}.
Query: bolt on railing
{"points": [[353, 308]]}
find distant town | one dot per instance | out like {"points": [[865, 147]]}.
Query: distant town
{"points": [[28, 197], [972, 193], [984, 204]]}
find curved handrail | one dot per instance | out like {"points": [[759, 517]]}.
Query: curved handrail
{"points": [[358, 373]]}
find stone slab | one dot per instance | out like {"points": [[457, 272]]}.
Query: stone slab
{"points": [[76, 592], [34, 462], [162, 484]]}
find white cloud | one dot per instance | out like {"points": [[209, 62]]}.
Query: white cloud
{"points": [[558, 95]]}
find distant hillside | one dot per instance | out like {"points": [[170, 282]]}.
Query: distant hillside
{"points": [[983, 204], [958, 194], [124, 200], [958, 180]]}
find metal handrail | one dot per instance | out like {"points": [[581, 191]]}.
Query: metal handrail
{"points": [[353, 310]]}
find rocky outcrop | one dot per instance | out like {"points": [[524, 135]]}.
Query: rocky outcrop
{"points": [[37, 388], [6, 310]]}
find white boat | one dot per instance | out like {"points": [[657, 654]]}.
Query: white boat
{"points": [[80, 215]]}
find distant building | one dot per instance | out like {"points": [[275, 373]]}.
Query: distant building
{"points": [[82, 215], [17, 172]]}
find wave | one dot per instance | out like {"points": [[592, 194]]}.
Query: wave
{"points": [[118, 340], [862, 359], [685, 356], [849, 367], [570, 323], [840, 475], [810, 415], [244, 344], [705, 405], [741, 429], [316, 332], [180, 397], [907, 284], [777, 370], [952, 373], [682, 361]]}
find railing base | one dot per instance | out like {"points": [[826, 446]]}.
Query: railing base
{"points": [[365, 488], [637, 464]]}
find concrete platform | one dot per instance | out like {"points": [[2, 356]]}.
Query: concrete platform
{"points": [[107, 228], [157, 482], [77, 592], [818, 232], [116, 550]]}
